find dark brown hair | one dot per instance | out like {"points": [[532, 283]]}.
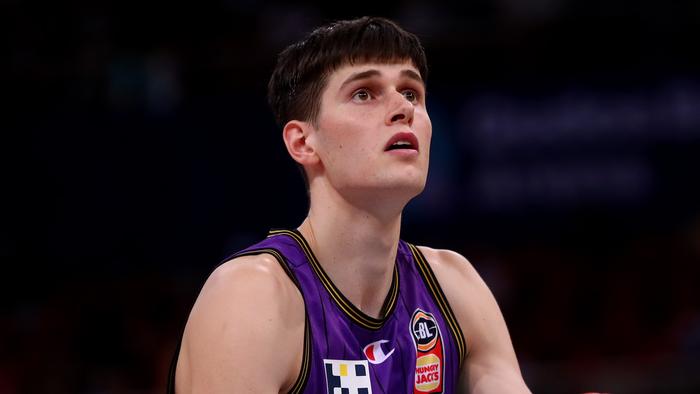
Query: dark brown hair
{"points": [[294, 90]]}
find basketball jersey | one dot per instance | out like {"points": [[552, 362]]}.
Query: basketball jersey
{"points": [[416, 346]]}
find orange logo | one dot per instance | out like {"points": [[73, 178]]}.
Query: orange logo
{"points": [[429, 353], [428, 373]]}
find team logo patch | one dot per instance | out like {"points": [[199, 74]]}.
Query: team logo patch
{"points": [[429, 353], [375, 353], [347, 377]]}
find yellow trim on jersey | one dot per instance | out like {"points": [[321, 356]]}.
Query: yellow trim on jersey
{"points": [[345, 305], [300, 383], [434, 287], [305, 369]]}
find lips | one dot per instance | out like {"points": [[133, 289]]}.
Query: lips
{"points": [[403, 140]]}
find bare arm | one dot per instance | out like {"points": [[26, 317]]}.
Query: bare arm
{"points": [[491, 365], [245, 332]]}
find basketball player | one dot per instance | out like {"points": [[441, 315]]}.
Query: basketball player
{"points": [[341, 304]]}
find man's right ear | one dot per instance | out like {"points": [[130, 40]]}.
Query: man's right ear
{"points": [[296, 138]]}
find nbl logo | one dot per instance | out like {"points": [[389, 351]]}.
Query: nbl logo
{"points": [[425, 331], [429, 353]]}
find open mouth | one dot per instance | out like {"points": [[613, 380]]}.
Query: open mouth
{"points": [[402, 141], [400, 145]]}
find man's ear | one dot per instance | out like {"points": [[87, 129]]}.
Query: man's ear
{"points": [[296, 138]]}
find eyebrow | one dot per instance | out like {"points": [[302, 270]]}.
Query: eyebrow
{"points": [[413, 75], [375, 73]]}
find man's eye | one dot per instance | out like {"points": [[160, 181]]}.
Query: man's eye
{"points": [[361, 95], [410, 95]]}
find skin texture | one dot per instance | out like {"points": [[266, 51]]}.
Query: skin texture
{"points": [[249, 314], [491, 365]]}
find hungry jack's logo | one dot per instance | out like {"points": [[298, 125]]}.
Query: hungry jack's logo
{"points": [[429, 353]]}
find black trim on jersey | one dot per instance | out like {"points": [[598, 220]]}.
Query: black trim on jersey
{"points": [[304, 371], [352, 312], [441, 300]]}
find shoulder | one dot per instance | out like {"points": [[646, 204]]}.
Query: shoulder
{"points": [[491, 365], [450, 266], [257, 280], [261, 272], [251, 284], [247, 309], [468, 295]]}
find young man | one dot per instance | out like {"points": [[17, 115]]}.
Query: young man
{"points": [[341, 305]]}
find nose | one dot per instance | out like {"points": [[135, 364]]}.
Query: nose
{"points": [[400, 110]]}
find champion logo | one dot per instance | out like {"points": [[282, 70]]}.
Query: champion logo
{"points": [[375, 353]]}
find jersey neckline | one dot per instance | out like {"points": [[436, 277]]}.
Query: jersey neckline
{"points": [[349, 309]]}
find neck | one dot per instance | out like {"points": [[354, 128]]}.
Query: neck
{"points": [[356, 247]]}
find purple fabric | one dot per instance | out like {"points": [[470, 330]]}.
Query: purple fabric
{"points": [[340, 359]]}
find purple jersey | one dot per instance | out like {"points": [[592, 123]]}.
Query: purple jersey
{"points": [[415, 347]]}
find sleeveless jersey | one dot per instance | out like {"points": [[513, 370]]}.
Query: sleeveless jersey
{"points": [[415, 347]]}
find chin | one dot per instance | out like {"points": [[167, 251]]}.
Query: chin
{"points": [[416, 190], [405, 188], [395, 191]]}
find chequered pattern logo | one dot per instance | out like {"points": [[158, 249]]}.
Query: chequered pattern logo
{"points": [[347, 377]]}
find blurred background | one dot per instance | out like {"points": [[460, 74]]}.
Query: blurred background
{"points": [[138, 151]]}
